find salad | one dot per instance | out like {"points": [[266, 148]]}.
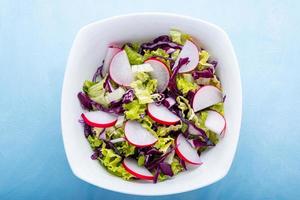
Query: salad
{"points": [[152, 108]]}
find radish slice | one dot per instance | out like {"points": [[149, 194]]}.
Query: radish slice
{"points": [[206, 96], [120, 69], [137, 135], [186, 152], [99, 119], [160, 72], [110, 53], [215, 122], [189, 50], [162, 115], [138, 171]]}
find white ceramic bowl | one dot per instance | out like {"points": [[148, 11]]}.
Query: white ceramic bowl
{"points": [[86, 55]]}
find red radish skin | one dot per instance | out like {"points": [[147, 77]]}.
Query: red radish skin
{"points": [[98, 124], [136, 135], [215, 122], [120, 69], [111, 52], [129, 169], [137, 145], [206, 96], [160, 72], [153, 110], [181, 142], [189, 50]]}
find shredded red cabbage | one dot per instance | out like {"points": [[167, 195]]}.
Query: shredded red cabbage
{"points": [[128, 96], [85, 101], [159, 42], [98, 72], [206, 73], [166, 169]]}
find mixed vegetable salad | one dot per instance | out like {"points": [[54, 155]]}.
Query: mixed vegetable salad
{"points": [[152, 108]]}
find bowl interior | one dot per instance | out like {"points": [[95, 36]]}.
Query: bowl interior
{"points": [[87, 54]]}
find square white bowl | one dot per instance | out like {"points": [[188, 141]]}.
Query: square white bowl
{"points": [[86, 55]]}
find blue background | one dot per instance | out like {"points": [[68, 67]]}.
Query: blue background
{"points": [[35, 39]]}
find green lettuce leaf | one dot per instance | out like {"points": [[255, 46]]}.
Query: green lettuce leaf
{"points": [[113, 164], [94, 141], [141, 160], [200, 119], [219, 107], [133, 56], [175, 54], [204, 56], [134, 109], [215, 82], [125, 148], [176, 166], [213, 137], [162, 177], [163, 144], [147, 123], [186, 84], [164, 130], [135, 46], [87, 84], [96, 92], [158, 52], [185, 107], [179, 37], [144, 87]]}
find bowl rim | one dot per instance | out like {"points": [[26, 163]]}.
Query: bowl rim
{"points": [[162, 14]]}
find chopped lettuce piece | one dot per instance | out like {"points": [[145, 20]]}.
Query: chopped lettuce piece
{"points": [[175, 54], [144, 87], [184, 105], [147, 123], [215, 82], [179, 37], [164, 130], [200, 119], [133, 56], [114, 133], [219, 107], [96, 92], [204, 56], [213, 137], [163, 144], [162, 177], [125, 148], [113, 164], [155, 53], [87, 84], [134, 109], [185, 84], [176, 166], [135, 46], [141, 160], [94, 141]]}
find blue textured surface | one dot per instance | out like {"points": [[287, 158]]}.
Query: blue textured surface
{"points": [[35, 38]]}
